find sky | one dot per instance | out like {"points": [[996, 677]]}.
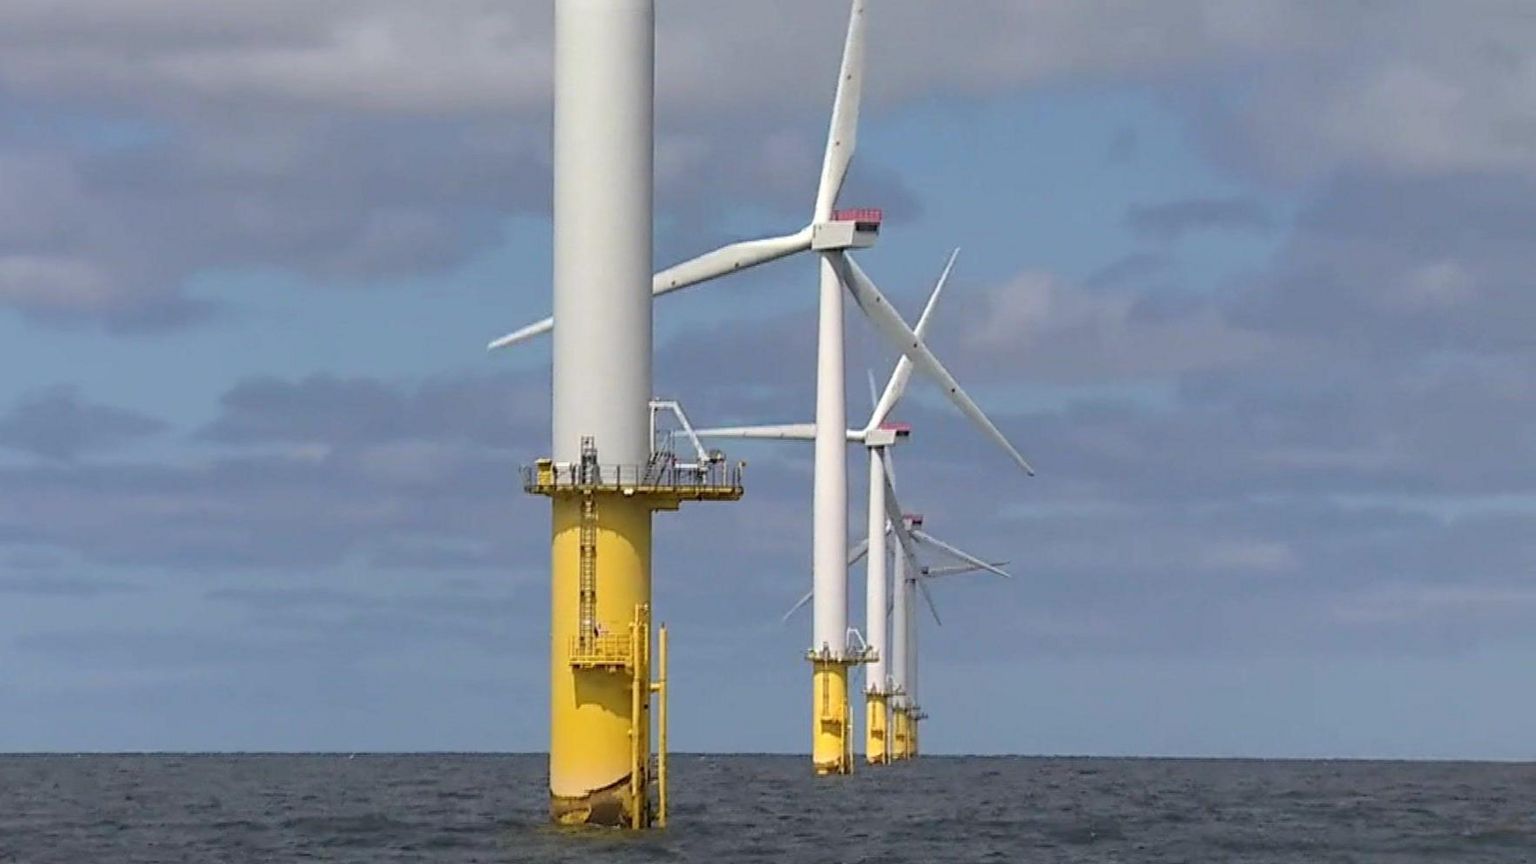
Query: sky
{"points": [[1250, 283]]}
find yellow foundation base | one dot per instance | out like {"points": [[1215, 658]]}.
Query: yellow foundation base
{"points": [[600, 687], [614, 807], [901, 734], [831, 721], [596, 721], [876, 726]]}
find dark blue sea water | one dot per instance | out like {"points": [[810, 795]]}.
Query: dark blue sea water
{"points": [[83, 809]]}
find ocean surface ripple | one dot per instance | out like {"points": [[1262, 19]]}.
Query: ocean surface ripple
{"points": [[490, 808]]}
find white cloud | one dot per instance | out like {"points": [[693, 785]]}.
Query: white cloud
{"points": [[1054, 330], [1419, 86]]}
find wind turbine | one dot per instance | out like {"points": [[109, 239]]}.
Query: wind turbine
{"points": [[878, 437], [911, 579], [896, 715], [830, 234]]}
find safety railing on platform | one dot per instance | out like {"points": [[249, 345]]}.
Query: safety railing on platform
{"points": [[713, 477], [601, 650]]}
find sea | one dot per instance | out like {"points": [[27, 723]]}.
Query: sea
{"points": [[490, 808]]}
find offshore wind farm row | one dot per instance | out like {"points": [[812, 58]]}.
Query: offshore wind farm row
{"points": [[609, 468]]}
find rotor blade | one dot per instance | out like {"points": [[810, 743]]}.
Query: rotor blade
{"points": [[933, 299], [782, 432], [896, 387], [923, 587], [878, 309], [968, 558], [535, 329], [898, 524], [843, 131], [874, 400], [857, 553], [729, 259], [806, 598], [710, 265], [956, 569]]}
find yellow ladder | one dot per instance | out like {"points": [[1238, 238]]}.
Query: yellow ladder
{"points": [[587, 579]]}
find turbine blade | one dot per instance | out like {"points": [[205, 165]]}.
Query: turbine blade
{"points": [[897, 385], [956, 569], [878, 309], [804, 599], [968, 558], [843, 131], [874, 400], [728, 259], [928, 598], [710, 265], [537, 328], [938, 288], [898, 524], [857, 553], [782, 432]]}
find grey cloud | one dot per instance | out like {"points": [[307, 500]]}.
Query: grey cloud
{"points": [[59, 585], [330, 411], [1148, 530], [1400, 266], [1261, 570], [1131, 269], [312, 473], [348, 141], [1233, 436], [1389, 90], [272, 510], [1114, 327], [1234, 506], [57, 424], [1174, 219], [339, 200]]}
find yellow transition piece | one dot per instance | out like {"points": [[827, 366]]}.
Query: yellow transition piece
{"points": [[593, 730], [832, 741], [876, 725], [901, 734]]}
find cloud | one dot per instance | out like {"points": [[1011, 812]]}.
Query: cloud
{"points": [[1404, 266], [314, 473], [56, 424], [326, 411], [349, 142], [59, 585], [1172, 220], [1063, 332], [1327, 454]]}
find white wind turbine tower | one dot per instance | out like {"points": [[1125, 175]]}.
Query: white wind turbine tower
{"points": [[830, 234]]}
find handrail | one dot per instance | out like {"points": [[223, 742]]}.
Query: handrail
{"points": [[617, 478]]}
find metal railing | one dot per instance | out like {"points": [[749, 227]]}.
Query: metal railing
{"points": [[664, 474], [611, 650]]}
